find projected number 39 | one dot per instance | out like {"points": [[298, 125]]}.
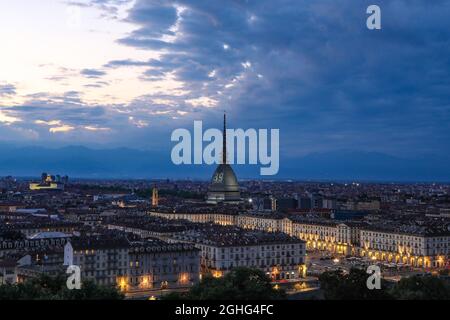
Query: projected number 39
{"points": [[218, 178]]}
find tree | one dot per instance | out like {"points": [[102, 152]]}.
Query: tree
{"points": [[421, 288], [338, 286], [444, 272], [46, 287], [352, 286], [91, 291], [239, 284]]}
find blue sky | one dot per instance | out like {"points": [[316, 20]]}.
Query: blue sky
{"points": [[114, 73]]}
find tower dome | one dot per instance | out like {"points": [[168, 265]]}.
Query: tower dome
{"points": [[224, 185]]}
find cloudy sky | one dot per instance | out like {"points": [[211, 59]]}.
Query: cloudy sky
{"points": [[113, 73]]}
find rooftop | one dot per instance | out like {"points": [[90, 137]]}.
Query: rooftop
{"points": [[233, 236]]}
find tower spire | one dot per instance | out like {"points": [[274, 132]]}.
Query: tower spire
{"points": [[224, 147]]}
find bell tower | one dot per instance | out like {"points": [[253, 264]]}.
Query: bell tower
{"points": [[155, 197]]}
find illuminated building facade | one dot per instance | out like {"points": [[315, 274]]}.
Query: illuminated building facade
{"points": [[216, 218], [346, 238], [162, 266], [280, 261], [415, 249], [265, 223], [49, 182], [341, 238]]}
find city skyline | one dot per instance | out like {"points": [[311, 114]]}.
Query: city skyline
{"points": [[116, 73], [226, 157], [159, 239]]}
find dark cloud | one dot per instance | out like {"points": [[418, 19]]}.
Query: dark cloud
{"points": [[7, 90], [126, 63], [92, 73], [311, 68], [69, 108], [97, 84], [157, 17]]}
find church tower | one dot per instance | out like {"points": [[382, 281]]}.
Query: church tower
{"points": [[155, 197]]}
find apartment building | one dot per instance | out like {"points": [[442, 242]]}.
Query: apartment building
{"points": [[269, 223], [277, 254], [224, 219], [134, 266], [160, 265], [403, 243], [101, 260], [413, 247]]}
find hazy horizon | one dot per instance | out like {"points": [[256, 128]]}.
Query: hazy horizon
{"points": [[339, 165]]}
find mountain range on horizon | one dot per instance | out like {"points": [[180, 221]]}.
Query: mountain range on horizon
{"points": [[128, 163]]}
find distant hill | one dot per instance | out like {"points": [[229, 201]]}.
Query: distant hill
{"points": [[83, 162]]}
